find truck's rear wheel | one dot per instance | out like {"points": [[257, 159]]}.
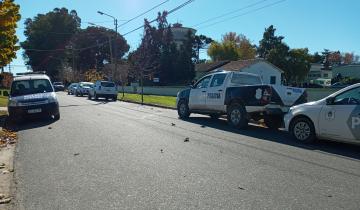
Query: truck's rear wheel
{"points": [[183, 110], [273, 122], [237, 116]]}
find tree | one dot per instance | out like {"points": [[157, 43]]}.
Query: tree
{"points": [[269, 42], [9, 15], [232, 47], [348, 58], [47, 35], [103, 41], [317, 58], [299, 64], [201, 42]]}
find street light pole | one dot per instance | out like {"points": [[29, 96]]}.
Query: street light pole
{"points": [[115, 45]]}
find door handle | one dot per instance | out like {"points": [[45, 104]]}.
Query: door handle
{"points": [[220, 90], [204, 91]]}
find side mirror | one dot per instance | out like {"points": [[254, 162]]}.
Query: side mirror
{"points": [[330, 100]]}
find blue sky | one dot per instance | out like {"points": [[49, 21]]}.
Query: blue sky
{"points": [[315, 24]]}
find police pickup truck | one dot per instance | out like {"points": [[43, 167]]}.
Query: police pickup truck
{"points": [[241, 96]]}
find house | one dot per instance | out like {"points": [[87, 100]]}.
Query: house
{"points": [[269, 73], [317, 71], [352, 70], [202, 69]]}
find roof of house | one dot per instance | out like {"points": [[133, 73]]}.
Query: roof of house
{"points": [[206, 67], [241, 64]]}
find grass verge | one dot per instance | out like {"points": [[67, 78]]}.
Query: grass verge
{"points": [[168, 101]]}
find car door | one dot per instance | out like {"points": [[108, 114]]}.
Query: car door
{"points": [[197, 98], [340, 117], [215, 95]]}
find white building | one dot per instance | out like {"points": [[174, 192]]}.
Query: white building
{"points": [[269, 73], [180, 33], [317, 72]]}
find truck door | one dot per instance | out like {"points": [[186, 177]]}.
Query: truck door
{"points": [[340, 119], [197, 99], [215, 95]]}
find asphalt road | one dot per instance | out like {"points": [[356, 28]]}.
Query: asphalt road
{"points": [[119, 155]]}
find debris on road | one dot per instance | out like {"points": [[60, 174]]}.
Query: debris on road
{"points": [[2, 196], [241, 188], [49, 127], [161, 150], [203, 126], [186, 139], [7, 137], [76, 154], [172, 124], [5, 172], [5, 200]]}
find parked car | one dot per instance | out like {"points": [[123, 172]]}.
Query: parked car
{"points": [[103, 89], [71, 88], [32, 94], [338, 85], [336, 117], [82, 88], [59, 86], [241, 96]]}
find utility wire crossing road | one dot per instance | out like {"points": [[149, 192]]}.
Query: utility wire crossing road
{"points": [[116, 155]]}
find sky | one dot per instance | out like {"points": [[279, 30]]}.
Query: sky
{"points": [[315, 24]]}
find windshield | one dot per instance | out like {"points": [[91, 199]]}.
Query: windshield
{"points": [[26, 87], [107, 84], [245, 79], [86, 85]]}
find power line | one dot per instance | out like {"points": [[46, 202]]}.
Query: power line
{"points": [[147, 11], [229, 13], [100, 44], [251, 11]]}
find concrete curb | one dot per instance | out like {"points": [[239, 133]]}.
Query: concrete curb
{"points": [[147, 104]]}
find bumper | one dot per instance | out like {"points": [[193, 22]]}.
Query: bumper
{"points": [[41, 110], [106, 95], [287, 119]]}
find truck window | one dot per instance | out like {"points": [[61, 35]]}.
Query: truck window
{"points": [[245, 79], [218, 80], [203, 83]]}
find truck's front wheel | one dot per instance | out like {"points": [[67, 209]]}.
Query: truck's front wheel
{"points": [[236, 116], [183, 110]]}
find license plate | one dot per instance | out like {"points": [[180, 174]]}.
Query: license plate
{"points": [[32, 111]]}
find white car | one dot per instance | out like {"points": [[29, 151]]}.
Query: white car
{"points": [[82, 88], [336, 117], [103, 89]]}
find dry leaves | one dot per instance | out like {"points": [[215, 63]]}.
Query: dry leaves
{"points": [[7, 137]]}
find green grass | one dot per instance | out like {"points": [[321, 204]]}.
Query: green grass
{"points": [[3, 101], [168, 101]]}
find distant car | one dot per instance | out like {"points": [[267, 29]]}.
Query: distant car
{"points": [[71, 88], [103, 89], [336, 117], [32, 94], [82, 88], [338, 85], [59, 86]]}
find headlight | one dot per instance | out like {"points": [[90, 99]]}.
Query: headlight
{"points": [[13, 103], [52, 98]]}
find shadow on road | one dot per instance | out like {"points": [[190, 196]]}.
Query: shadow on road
{"points": [[29, 123], [278, 136]]}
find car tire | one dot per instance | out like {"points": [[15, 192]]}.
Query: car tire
{"points": [[68, 93], [95, 96], [214, 116], [273, 122], [237, 116], [89, 96], [183, 110], [302, 129], [115, 98]]}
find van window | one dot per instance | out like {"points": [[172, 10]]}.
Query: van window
{"points": [[273, 80], [26, 87], [107, 84], [245, 79]]}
